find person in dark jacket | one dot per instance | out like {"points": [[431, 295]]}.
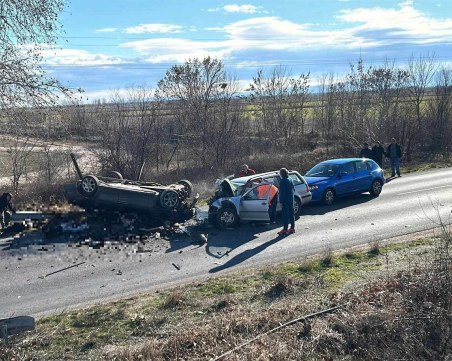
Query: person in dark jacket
{"points": [[5, 205], [394, 153], [377, 153], [366, 152], [286, 194]]}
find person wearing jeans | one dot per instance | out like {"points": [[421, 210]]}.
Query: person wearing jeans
{"points": [[394, 153], [286, 194]]}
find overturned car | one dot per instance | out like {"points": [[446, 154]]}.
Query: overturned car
{"points": [[149, 200]]}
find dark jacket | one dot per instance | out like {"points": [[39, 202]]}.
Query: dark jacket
{"points": [[365, 153], [377, 152], [5, 204], [286, 191], [398, 150]]}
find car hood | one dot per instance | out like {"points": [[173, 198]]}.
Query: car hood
{"points": [[234, 200], [316, 180]]}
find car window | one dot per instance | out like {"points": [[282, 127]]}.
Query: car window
{"points": [[371, 165], [361, 166], [323, 170], [296, 179], [348, 168], [258, 193]]}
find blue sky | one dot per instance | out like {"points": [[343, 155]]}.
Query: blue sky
{"points": [[110, 45]]}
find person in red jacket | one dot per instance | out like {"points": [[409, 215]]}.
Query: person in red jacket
{"points": [[245, 170]]}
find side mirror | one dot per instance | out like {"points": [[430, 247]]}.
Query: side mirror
{"points": [[342, 174]]}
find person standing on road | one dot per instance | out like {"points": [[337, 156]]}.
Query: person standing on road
{"points": [[377, 153], [245, 170], [366, 152], [273, 202], [394, 153], [286, 194], [5, 205]]}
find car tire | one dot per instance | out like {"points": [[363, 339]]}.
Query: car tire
{"points": [[89, 185], [227, 217], [329, 196], [188, 187], [296, 208], [376, 188], [115, 175], [169, 199]]}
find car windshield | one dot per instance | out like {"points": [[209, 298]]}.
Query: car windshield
{"points": [[237, 188], [323, 170]]}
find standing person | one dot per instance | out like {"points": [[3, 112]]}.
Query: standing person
{"points": [[245, 170], [273, 197], [5, 205], [286, 194], [394, 153], [366, 152], [377, 153]]}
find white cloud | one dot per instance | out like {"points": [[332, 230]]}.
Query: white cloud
{"points": [[234, 8], [106, 30], [246, 8], [178, 50], [75, 57], [396, 25], [153, 28]]}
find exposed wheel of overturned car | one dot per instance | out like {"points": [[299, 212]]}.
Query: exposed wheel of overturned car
{"points": [[188, 187], [227, 217], [89, 185], [169, 199], [115, 175]]}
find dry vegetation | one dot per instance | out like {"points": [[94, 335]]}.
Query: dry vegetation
{"points": [[394, 301]]}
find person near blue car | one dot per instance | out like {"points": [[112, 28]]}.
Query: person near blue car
{"points": [[366, 152], [286, 194], [394, 153]]}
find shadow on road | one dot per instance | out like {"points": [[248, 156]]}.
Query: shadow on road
{"points": [[318, 209], [241, 257]]}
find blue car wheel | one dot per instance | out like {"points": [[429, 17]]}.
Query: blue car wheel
{"points": [[376, 188], [329, 196]]}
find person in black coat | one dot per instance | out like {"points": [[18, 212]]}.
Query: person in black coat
{"points": [[366, 152], [394, 153], [377, 153], [5, 205]]}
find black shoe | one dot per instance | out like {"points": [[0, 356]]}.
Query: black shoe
{"points": [[398, 175], [392, 175]]}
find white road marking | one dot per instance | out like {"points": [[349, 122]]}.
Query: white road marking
{"points": [[424, 190]]}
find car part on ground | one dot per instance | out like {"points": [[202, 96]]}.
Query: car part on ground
{"points": [[335, 178], [248, 198]]}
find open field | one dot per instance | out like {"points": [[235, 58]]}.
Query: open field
{"points": [[393, 301]]}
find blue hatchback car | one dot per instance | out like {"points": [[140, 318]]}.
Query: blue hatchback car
{"points": [[339, 177]]}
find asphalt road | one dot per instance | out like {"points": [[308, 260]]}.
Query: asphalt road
{"points": [[53, 277]]}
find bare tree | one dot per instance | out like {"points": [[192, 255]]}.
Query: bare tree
{"points": [[421, 71], [27, 27], [193, 89]]}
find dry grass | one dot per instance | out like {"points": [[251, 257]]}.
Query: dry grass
{"points": [[397, 304]]}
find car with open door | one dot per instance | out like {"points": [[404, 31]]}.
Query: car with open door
{"points": [[248, 198]]}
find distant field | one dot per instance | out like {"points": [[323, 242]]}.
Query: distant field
{"points": [[34, 162]]}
